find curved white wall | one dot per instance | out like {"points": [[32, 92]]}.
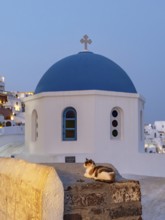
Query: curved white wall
{"points": [[93, 130]]}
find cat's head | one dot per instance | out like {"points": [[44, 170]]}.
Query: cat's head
{"points": [[89, 162]]}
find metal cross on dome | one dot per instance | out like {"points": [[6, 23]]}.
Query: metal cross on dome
{"points": [[85, 40]]}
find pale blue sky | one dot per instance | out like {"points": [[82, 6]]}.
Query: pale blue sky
{"points": [[34, 34]]}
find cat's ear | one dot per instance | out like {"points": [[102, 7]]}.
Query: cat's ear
{"points": [[86, 159], [92, 161]]}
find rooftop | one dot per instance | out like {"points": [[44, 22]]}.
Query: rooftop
{"points": [[85, 71]]}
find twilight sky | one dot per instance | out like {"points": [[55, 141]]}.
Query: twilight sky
{"points": [[34, 34]]}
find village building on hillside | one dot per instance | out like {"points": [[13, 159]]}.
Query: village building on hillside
{"points": [[12, 110], [154, 137]]}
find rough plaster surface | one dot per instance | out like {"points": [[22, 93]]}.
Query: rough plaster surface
{"points": [[29, 191]]}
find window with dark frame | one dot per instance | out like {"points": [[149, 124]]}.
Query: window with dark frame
{"points": [[69, 124]]}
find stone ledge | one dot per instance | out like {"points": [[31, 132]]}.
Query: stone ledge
{"points": [[87, 199]]}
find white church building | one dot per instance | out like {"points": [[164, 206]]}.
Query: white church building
{"points": [[86, 105]]}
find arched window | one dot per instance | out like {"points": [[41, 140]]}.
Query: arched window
{"points": [[115, 123], [34, 125], [69, 124], [8, 124]]}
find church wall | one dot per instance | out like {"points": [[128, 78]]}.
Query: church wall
{"points": [[141, 125], [84, 141], [27, 128], [50, 109], [38, 146], [93, 121], [111, 150], [30, 146], [93, 114]]}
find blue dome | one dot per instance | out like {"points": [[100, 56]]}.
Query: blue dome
{"points": [[85, 71]]}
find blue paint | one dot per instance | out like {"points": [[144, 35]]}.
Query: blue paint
{"points": [[85, 71]]}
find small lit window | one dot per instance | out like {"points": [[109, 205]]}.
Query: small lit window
{"points": [[70, 124]]}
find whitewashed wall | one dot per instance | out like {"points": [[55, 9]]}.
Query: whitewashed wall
{"points": [[93, 130], [93, 123], [50, 108], [12, 130]]}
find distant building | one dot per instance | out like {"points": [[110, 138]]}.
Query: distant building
{"points": [[2, 84], [155, 137], [12, 109]]}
